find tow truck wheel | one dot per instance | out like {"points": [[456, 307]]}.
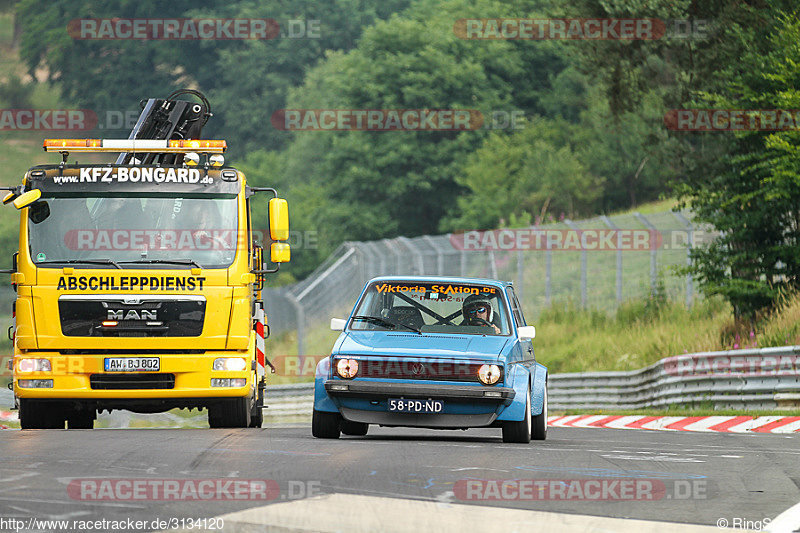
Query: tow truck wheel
{"points": [[519, 431], [81, 419], [35, 414], [257, 415], [354, 428], [326, 425], [233, 413]]}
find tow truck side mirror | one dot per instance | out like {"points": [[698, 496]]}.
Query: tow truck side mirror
{"points": [[278, 219], [27, 198], [279, 252]]}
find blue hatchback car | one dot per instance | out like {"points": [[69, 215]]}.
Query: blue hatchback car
{"points": [[432, 352]]}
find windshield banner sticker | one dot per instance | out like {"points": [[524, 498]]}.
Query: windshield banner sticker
{"points": [[135, 175], [443, 289]]}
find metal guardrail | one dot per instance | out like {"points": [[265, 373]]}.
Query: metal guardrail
{"points": [[289, 400], [764, 378]]}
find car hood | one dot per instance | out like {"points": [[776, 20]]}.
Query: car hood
{"points": [[425, 345]]}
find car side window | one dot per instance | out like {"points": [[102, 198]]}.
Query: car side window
{"points": [[516, 310]]}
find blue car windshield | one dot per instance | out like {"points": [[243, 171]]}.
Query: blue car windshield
{"points": [[432, 307]]}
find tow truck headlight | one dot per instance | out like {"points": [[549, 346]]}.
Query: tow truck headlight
{"points": [[347, 368], [489, 374], [34, 365], [233, 364]]}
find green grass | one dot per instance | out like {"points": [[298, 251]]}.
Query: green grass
{"points": [[638, 334], [657, 206]]}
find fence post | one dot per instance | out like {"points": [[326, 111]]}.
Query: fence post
{"points": [[613, 226], [420, 265], [548, 276], [689, 247], [492, 265], [298, 309], [439, 254], [584, 296], [391, 245], [653, 251]]}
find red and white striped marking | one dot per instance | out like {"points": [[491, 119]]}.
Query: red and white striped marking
{"points": [[718, 424], [260, 344]]}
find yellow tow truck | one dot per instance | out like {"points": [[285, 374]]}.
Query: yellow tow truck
{"points": [[138, 285]]}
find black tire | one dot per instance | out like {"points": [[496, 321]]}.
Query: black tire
{"points": [[257, 414], [81, 419], [539, 422], [519, 432], [233, 413], [358, 429], [326, 425], [34, 414]]}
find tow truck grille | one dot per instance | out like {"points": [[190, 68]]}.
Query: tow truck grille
{"points": [[131, 381], [132, 316]]}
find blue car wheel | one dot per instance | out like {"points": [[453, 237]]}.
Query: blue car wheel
{"points": [[520, 431], [539, 422], [326, 425]]}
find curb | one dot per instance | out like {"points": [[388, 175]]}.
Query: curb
{"points": [[707, 424]]}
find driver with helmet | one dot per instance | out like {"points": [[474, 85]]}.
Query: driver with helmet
{"points": [[477, 311]]}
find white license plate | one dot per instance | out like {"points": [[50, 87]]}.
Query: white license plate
{"points": [[132, 364], [416, 406]]}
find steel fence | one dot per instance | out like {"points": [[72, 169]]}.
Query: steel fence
{"points": [[550, 271]]}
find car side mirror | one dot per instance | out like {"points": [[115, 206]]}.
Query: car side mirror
{"points": [[338, 324], [526, 332]]}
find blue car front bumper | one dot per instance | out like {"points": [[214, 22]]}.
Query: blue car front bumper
{"points": [[467, 406]]}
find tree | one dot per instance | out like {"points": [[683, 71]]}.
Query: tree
{"points": [[523, 177], [246, 80], [754, 198]]}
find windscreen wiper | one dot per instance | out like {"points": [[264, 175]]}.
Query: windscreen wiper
{"points": [[82, 261], [190, 262], [385, 322]]}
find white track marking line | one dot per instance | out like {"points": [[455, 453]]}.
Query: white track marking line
{"points": [[324, 514]]}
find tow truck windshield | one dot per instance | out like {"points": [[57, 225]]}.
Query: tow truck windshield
{"points": [[133, 231]]}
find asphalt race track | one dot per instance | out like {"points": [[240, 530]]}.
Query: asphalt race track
{"points": [[405, 479]]}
